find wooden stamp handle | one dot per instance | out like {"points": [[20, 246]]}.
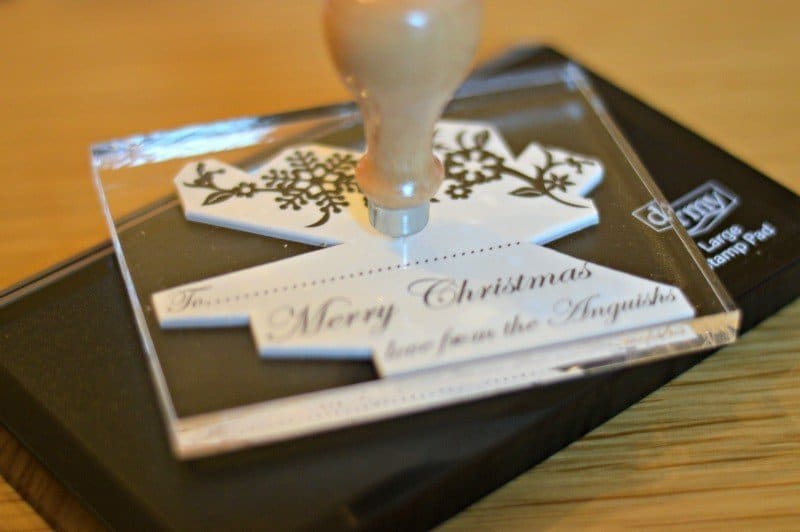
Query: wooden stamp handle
{"points": [[402, 60]]}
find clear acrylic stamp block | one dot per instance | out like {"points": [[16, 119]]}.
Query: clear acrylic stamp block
{"points": [[224, 377]]}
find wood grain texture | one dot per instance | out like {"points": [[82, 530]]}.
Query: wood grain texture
{"points": [[716, 448]]}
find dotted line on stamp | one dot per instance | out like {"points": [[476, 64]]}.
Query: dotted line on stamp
{"points": [[359, 274]]}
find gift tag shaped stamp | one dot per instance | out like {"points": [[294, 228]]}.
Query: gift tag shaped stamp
{"points": [[308, 193], [384, 298], [229, 299], [418, 303], [460, 306]]}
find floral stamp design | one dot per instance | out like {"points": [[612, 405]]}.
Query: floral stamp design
{"points": [[471, 165], [321, 179], [307, 180]]}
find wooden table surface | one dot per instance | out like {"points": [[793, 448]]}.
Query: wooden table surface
{"points": [[718, 448]]}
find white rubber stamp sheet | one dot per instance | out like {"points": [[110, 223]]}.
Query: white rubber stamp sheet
{"points": [[475, 283], [308, 193]]}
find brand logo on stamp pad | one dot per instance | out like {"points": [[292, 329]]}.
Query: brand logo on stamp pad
{"points": [[699, 211]]}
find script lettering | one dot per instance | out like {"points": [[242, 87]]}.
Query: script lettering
{"points": [[570, 310], [334, 314], [439, 293], [187, 298]]}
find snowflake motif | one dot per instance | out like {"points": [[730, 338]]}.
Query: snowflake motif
{"points": [[307, 180], [323, 183]]}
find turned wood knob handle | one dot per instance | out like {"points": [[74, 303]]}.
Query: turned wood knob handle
{"points": [[402, 60]]}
